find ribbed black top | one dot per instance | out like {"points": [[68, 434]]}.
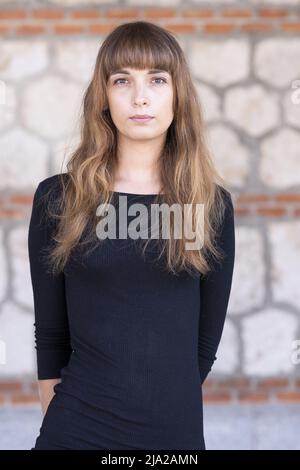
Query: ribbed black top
{"points": [[126, 336]]}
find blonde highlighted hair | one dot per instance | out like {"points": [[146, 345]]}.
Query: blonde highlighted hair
{"points": [[186, 168]]}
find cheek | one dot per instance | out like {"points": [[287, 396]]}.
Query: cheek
{"points": [[113, 102], [166, 100], [117, 100], [167, 106], [118, 107]]}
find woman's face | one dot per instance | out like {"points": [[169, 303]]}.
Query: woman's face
{"points": [[131, 92]]}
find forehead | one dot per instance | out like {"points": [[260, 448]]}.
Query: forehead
{"points": [[129, 71]]}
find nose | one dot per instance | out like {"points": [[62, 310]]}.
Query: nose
{"points": [[140, 101], [139, 95]]}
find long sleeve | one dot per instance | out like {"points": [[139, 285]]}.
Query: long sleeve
{"points": [[215, 290], [52, 336]]}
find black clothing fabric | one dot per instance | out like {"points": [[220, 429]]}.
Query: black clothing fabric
{"points": [[131, 342]]}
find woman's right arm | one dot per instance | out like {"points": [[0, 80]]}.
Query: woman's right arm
{"points": [[52, 335], [46, 392]]}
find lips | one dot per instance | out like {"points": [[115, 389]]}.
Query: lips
{"points": [[141, 118]]}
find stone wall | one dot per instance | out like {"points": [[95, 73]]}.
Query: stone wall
{"points": [[245, 60]]}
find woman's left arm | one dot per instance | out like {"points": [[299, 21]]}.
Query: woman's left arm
{"points": [[215, 290]]}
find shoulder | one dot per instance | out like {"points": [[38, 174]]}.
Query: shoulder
{"points": [[226, 197], [51, 183], [50, 188], [47, 196], [225, 209]]}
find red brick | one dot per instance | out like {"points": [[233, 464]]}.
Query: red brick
{"points": [[234, 383], [10, 214], [24, 398], [291, 27], [287, 197], [198, 13], [10, 386], [85, 14], [297, 383], [242, 211], [271, 211], [243, 12], [208, 384], [159, 12], [48, 14], [12, 14], [4, 29], [253, 27], [253, 198], [273, 12], [101, 28], [30, 29], [218, 28], [68, 29], [21, 199], [122, 13], [2, 399], [253, 397], [289, 396], [216, 397], [181, 27], [273, 383]]}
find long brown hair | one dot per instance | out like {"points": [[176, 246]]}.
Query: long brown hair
{"points": [[186, 167]]}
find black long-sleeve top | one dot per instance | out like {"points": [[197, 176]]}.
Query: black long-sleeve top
{"points": [[123, 333]]}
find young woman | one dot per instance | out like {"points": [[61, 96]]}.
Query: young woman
{"points": [[126, 331]]}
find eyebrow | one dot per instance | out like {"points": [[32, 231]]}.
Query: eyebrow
{"points": [[150, 72]]}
